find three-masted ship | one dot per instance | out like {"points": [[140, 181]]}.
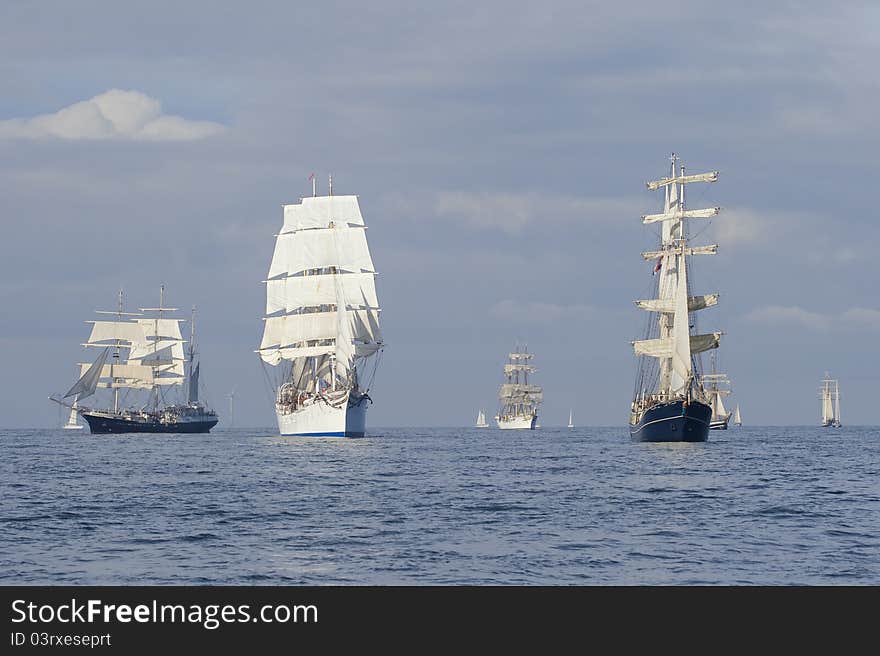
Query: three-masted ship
{"points": [[670, 403], [829, 396], [143, 365], [519, 399], [321, 338]]}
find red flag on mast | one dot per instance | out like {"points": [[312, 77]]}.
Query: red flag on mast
{"points": [[657, 266]]}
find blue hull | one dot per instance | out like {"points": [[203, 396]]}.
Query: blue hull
{"points": [[672, 422], [100, 425]]}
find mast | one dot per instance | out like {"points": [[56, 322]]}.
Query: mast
{"points": [[116, 356], [674, 346], [836, 403]]}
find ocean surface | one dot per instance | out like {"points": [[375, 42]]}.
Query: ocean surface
{"points": [[773, 505]]}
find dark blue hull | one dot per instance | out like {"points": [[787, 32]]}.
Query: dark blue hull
{"points": [[673, 422], [101, 424]]}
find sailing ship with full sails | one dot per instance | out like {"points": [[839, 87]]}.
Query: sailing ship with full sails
{"points": [[321, 341], [143, 364], [519, 399], [669, 402], [829, 396]]}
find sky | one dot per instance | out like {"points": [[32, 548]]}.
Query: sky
{"points": [[500, 153]]}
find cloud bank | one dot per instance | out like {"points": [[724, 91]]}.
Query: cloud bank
{"points": [[857, 317], [114, 114]]}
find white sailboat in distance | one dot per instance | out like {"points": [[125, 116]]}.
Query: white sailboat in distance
{"points": [[519, 400], [737, 419], [481, 419], [570, 422]]}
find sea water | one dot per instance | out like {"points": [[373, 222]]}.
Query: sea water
{"points": [[416, 506]]}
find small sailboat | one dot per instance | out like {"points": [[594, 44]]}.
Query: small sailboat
{"points": [[737, 419], [481, 419], [830, 402], [570, 422], [717, 386], [72, 420]]}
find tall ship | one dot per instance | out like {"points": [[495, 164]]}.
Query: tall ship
{"points": [[717, 386], [152, 381], [829, 396], [670, 402], [519, 399], [321, 341]]}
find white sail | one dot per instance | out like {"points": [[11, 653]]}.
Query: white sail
{"points": [[318, 211], [345, 352], [127, 332], [321, 248], [737, 419], [291, 330], [718, 409], [164, 328], [570, 422], [836, 403], [297, 292], [526, 368], [711, 249], [668, 305], [827, 406], [681, 343], [73, 418], [88, 382], [663, 348], [681, 214]]}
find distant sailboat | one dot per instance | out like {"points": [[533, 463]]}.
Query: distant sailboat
{"points": [[830, 397], [717, 386], [570, 422], [737, 419], [519, 399], [72, 423], [481, 419]]}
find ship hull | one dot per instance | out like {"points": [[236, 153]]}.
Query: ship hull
{"points": [[517, 423], [100, 424], [672, 422], [323, 420]]}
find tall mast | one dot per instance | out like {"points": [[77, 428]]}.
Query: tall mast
{"points": [[116, 354], [836, 402], [192, 352]]}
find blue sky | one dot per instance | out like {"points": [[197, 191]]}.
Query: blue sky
{"points": [[499, 152]]}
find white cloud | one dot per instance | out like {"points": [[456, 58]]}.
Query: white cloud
{"points": [[777, 314], [535, 312], [863, 316], [114, 114], [511, 212], [853, 318]]}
